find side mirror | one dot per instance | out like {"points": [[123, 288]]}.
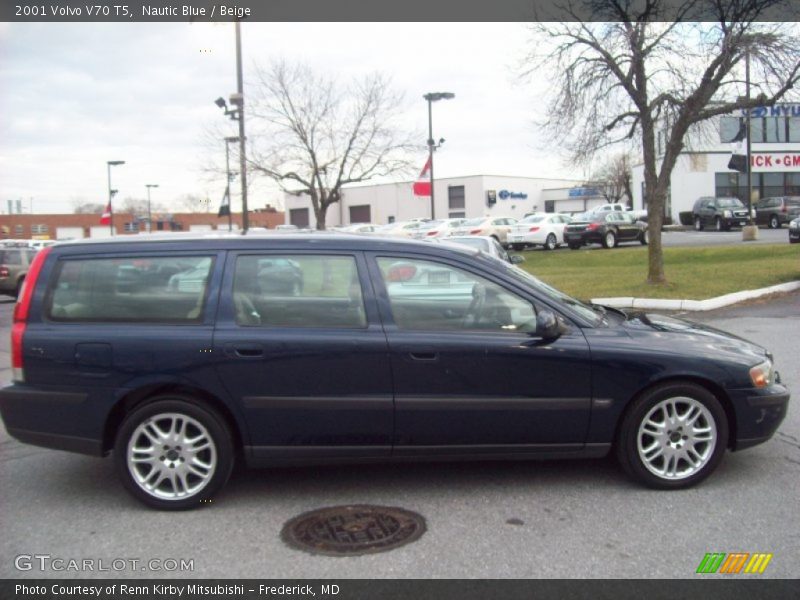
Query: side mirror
{"points": [[515, 259], [547, 325]]}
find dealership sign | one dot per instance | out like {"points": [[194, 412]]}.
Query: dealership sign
{"points": [[505, 195], [775, 161], [779, 110]]}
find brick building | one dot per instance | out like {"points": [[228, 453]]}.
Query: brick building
{"points": [[77, 226]]}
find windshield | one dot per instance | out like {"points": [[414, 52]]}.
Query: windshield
{"points": [[584, 310], [729, 203]]}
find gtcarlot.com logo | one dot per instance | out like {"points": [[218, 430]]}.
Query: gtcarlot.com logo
{"points": [[734, 563], [47, 562]]}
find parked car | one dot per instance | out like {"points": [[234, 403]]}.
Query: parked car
{"points": [[544, 229], [438, 229], [605, 228], [358, 228], [395, 350], [484, 243], [638, 215], [794, 231], [496, 227], [15, 261], [722, 213], [401, 228], [774, 212]]}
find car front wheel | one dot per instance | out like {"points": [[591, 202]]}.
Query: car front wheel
{"points": [[698, 224], [673, 436], [774, 222], [173, 454]]}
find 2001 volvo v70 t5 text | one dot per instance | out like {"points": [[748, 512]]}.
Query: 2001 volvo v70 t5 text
{"points": [[181, 354]]}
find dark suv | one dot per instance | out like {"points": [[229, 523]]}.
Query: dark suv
{"points": [[391, 350], [720, 213], [774, 212]]}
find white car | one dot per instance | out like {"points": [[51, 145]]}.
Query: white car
{"points": [[481, 242], [438, 229], [401, 228], [546, 230], [496, 227], [358, 228]]}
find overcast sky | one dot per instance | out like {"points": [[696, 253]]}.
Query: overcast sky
{"points": [[73, 96]]}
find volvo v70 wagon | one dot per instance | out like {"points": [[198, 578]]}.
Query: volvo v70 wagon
{"points": [[179, 355]]}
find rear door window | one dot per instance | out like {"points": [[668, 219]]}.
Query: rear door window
{"points": [[130, 289], [298, 291]]}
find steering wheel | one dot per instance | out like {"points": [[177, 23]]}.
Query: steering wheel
{"points": [[472, 316]]}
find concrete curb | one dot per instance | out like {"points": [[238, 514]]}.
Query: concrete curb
{"points": [[709, 304]]}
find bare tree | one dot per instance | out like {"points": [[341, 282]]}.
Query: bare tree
{"points": [[613, 179], [312, 134], [80, 206], [633, 75]]}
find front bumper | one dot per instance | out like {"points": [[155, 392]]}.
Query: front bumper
{"points": [[759, 413]]}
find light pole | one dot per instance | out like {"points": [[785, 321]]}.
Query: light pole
{"points": [[237, 114], [431, 98], [149, 212], [228, 142], [111, 163]]}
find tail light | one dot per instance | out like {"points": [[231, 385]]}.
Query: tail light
{"points": [[3, 271], [533, 229], [476, 232], [785, 209], [592, 226], [21, 311], [399, 273], [433, 233]]}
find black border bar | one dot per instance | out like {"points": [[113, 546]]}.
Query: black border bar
{"points": [[127, 11], [706, 587]]}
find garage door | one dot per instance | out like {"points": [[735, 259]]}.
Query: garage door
{"points": [[360, 214], [69, 233], [298, 217], [100, 231]]}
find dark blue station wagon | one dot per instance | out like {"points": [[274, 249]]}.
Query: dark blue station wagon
{"points": [[181, 354]]}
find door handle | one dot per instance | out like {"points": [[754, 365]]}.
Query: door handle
{"points": [[424, 356], [244, 350]]}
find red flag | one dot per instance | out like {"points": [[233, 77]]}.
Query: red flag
{"points": [[105, 219], [422, 186]]}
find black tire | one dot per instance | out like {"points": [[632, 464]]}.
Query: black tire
{"points": [[609, 239], [551, 243], [684, 394], [644, 238], [774, 222], [220, 449], [791, 241], [718, 224], [698, 224]]}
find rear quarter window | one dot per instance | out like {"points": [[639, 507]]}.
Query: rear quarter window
{"points": [[130, 289]]}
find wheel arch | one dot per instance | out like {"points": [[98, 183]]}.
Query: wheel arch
{"points": [[709, 385], [141, 395]]}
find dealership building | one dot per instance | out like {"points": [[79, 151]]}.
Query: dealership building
{"points": [[702, 168], [470, 196]]}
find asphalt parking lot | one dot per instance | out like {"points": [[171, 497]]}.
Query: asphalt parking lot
{"points": [[494, 520]]}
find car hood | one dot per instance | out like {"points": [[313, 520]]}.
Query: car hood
{"points": [[666, 330]]}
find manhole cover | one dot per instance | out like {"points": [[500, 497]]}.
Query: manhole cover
{"points": [[353, 530]]}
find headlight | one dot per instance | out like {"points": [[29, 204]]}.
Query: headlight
{"points": [[727, 214], [794, 225], [761, 375]]}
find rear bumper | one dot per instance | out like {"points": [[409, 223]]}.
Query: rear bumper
{"points": [[759, 413], [51, 419]]}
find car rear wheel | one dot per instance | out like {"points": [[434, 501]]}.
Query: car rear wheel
{"points": [[173, 454], [698, 224], [644, 238], [774, 222], [551, 242], [673, 436], [609, 239]]}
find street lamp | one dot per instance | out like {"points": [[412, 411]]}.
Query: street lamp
{"points": [[112, 163], [431, 98], [149, 213], [236, 113], [228, 142]]}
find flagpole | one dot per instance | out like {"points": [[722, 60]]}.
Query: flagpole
{"points": [[430, 152]]}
